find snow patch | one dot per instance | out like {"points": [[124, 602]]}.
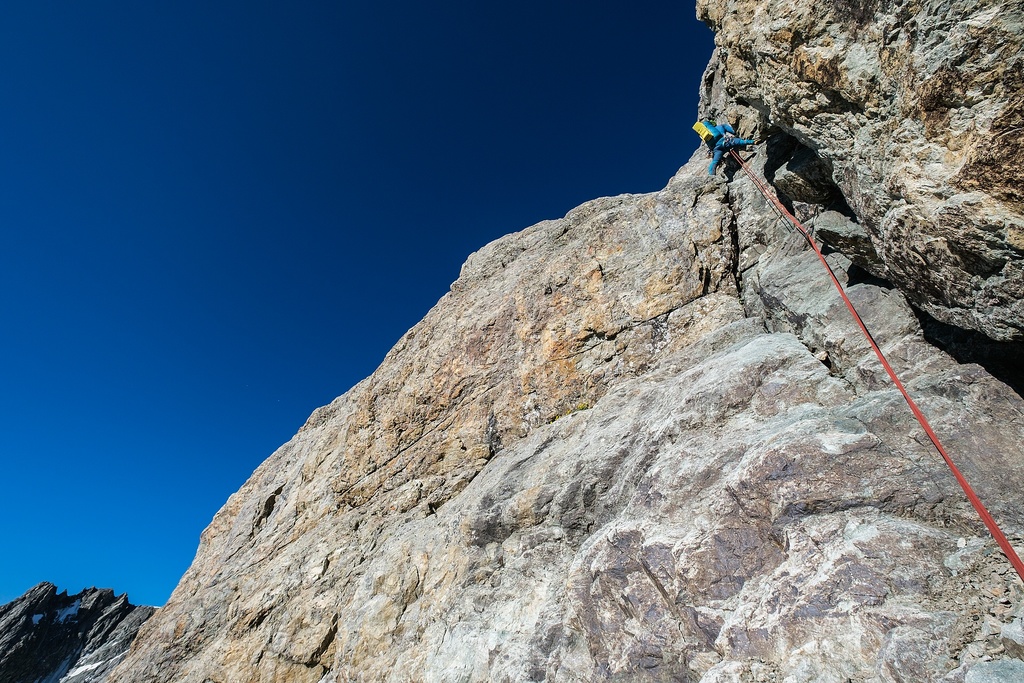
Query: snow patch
{"points": [[69, 611], [81, 669], [85, 667], [36, 618]]}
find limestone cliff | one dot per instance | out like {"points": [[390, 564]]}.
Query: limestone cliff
{"points": [[645, 442]]}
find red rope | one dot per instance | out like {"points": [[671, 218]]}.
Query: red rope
{"points": [[979, 507]]}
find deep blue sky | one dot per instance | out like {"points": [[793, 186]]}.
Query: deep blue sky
{"points": [[217, 216]]}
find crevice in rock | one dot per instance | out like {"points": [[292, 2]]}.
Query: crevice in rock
{"points": [[325, 644], [825, 360], [493, 437], [859, 276], [268, 509], [857, 12], [840, 205], [798, 174], [779, 148], [1002, 360], [734, 237]]}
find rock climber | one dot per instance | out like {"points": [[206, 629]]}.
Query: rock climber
{"points": [[722, 138]]}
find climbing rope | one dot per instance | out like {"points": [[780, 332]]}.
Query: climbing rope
{"points": [[979, 507]]}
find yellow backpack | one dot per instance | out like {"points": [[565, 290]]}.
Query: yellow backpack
{"points": [[705, 133]]}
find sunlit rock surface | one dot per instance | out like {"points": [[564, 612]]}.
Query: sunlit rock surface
{"points": [[645, 442], [597, 458]]}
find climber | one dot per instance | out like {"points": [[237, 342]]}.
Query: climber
{"points": [[720, 138]]}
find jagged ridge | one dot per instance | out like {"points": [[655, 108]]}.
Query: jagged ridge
{"points": [[46, 637]]}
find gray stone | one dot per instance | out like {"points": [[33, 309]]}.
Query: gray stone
{"points": [[1012, 635], [999, 671], [805, 177], [843, 234]]}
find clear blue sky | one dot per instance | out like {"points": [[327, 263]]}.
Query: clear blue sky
{"points": [[217, 216]]}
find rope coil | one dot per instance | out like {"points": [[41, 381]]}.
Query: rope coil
{"points": [[979, 507]]}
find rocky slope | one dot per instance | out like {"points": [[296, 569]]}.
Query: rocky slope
{"points": [[645, 442], [46, 637]]}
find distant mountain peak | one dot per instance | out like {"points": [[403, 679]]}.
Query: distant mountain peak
{"points": [[51, 637]]}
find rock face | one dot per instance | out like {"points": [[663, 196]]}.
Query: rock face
{"points": [[645, 442], [51, 638], [598, 459], [915, 110]]}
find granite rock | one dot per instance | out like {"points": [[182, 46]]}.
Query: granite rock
{"points": [[1000, 671]]}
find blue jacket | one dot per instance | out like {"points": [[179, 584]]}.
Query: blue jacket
{"points": [[723, 143], [719, 129]]}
